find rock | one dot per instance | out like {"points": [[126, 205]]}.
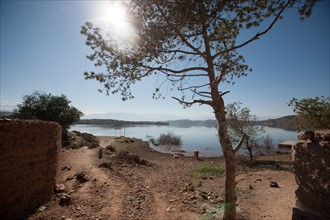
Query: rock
{"points": [[205, 207], [66, 168], [65, 199], [100, 153], [322, 135], [251, 187], [274, 184], [82, 177], [307, 135], [106, 165], [170, 209], [42, 208], [69, 178], [175, 156], [59, 188], [196, 154]]}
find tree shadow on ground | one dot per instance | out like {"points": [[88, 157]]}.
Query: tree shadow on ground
{"points": [[245, 164]]}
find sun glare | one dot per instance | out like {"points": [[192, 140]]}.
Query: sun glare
{"points": [[115, 14], [113, 19]]}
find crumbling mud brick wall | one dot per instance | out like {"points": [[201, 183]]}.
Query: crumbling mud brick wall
{"points": [[311, 164], [29, 152]]}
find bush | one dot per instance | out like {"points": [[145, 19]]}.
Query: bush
{"points": [[85, 139], [169, 139], [268, 142]]}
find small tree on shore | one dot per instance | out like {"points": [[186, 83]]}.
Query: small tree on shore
{"points": [[312, 113], [193, 47], [242, 123], [48, 107]]}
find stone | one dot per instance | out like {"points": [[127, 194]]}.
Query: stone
{"points": [[59, 188], [82, 177], [322, 135], [307, 135], [205, 207], [69, 178], [65, 199], [274, 184], [100, 153], [170, 209]]}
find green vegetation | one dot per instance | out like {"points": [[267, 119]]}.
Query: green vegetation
{"points": [[191, 48], [214, 211], [47, 107], [241, 124], [209, 169], [169, 139], [78, 140], [311, 113]]}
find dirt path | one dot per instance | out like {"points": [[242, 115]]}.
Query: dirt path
{"points": [[153, 185]]}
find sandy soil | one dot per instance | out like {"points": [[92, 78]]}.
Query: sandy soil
{"points": [[144, 184]]}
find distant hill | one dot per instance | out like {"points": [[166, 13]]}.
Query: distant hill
{"points": [[114, 122], [5, 114], [285, 123], [185, 123]]}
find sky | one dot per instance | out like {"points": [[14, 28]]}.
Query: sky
{"points": [[42, 49]]}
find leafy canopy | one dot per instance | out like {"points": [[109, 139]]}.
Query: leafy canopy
{"points": [[47, 107], [240, 121], [192, 45], [311, 112]]}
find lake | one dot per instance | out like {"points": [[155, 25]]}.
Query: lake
{"points": [[200, 138]]}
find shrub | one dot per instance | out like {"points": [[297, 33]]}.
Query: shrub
{"points": [[169, 139]]}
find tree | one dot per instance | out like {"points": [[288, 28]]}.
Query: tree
{"points": [[241, 122], [311, 113], [193, 46], [47, 107]]}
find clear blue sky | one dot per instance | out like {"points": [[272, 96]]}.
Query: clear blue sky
{"points": [[42, 49]]}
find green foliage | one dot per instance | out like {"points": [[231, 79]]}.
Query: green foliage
{"points": [[190, 46], [209, 169], [311, 113], [268, 142], [169, 139], [199, 37], [47, 107], [241, 121], [82, 139]]}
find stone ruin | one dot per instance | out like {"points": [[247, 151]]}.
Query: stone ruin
{"points": [[29, 153], [311, 166]]}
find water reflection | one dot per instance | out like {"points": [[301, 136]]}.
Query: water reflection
{"points": [[203, 139]]}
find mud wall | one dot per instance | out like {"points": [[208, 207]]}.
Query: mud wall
{"points": [[311, 164], [28, 162]]}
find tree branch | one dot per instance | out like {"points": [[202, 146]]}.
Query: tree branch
{"points": [[160, 68], [180, 34], [257, 36], [200, 101], [238, 146]]}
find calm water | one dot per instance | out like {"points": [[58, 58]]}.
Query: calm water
{"points": [[199, 138]]}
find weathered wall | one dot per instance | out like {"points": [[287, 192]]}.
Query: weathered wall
{"points": [[311, 164], [28, 160]]}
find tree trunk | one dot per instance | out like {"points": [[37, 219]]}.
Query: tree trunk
{"points": [[229, 155], [249, 148]]}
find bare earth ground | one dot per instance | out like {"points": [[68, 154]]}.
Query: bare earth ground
{"points": [[159, 186]]}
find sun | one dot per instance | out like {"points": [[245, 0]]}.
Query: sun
{"points": [[114, 13], [111, 14], [112, 17]]}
